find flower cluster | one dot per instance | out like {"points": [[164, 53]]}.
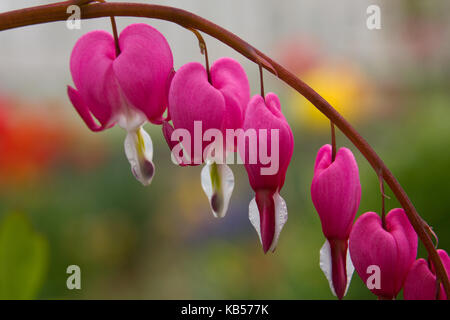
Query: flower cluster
{"points": [[130, 81], [138, 85], [382, 250]]}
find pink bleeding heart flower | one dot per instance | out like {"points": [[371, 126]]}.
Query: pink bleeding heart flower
{"points": [[127, 89], [383, 254], [197, 106], [336, 193], [266, 146], [420, 284]]}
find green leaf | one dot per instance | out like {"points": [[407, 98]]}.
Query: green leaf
{"points": [[23, 258]]}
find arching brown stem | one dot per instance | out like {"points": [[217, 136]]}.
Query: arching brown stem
{"points": [[57, 12]]}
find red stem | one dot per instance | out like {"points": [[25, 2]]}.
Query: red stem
{"points": [[203, 50], [383, 196], [261, 81], [333, 142], [116, 36], [57, 12]]}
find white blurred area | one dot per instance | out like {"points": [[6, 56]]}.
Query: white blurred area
{"points": [[34, 60]]}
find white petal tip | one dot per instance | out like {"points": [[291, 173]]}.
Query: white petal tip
{"points": [[281, 216], [326, 266], [139, 152], [218, 184]]}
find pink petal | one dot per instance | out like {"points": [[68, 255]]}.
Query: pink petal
{"points": [[266, 115], [406, 240], [266, 208], [337, 266], [144, 68], [228, 76], [168, 130], [393, 250], [82, 109], [91, 68], [445, 261], [336, 191], [260, 217], [420, 284], [192, 98]]}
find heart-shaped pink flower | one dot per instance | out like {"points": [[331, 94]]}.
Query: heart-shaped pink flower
{"points": [[420, 284], [264, 118], [266, 148], [128, 89], [335, 193], [391, 250], [201, 113], [197, 105]]}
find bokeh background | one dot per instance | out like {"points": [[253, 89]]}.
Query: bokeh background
{"points": [[67, 195]]}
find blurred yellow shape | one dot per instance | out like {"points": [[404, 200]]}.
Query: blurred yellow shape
{"points": [[343, 86]]}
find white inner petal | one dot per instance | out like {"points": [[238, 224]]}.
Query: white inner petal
{"points": [[281, 216], [326, 266], [139, 151], [128, 116], [218, 191]]}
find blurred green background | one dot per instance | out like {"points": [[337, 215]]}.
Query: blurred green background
{"points": [[67, 195]]}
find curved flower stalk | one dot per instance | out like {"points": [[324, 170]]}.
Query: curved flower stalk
{"points": [[421, 282], [389, 247], [202, 112], [266, 160], [57, 12], [336, 193], [127, 89]]}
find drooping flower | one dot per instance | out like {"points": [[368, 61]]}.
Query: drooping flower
{"points": [[202, 112], [420, 284], [127, 89], [336, 193], [383, 253], [266, 148]]}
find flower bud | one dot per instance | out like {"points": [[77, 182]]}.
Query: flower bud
{"points": [[266, 157], [420, 284], [391, 249], [336, 193]]}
